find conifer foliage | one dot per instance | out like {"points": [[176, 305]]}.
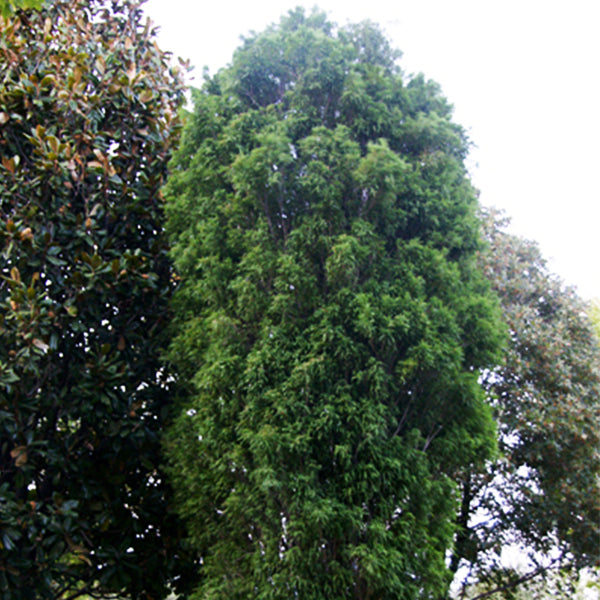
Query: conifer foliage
{"points": [[87, 119], [331, 322]]}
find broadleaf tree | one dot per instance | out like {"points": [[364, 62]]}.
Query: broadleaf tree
{"points": [[88, 117], [541, 497], [594, 315], [332, 323]]}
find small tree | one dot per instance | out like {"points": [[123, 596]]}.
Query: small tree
{"points": [[542, 494], [87, 120], [332, 324]]}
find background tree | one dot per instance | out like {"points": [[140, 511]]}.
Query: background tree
{"points": [[542, 495], [594, 314], [87, 120], [332, 324]]}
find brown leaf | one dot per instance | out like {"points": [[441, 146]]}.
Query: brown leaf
{"points": [[8, 164], [26, 234], [40, 344], [131, 72], [19, 454]]}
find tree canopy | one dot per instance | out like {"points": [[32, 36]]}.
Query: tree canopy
{"points": [[332, 324], [88, 107], [353, 418], [541, 496]]}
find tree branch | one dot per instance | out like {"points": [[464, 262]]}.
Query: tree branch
{"points": [[519, 581]]}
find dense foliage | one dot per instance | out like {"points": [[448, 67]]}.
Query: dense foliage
{"points": [[8, 7], [542, 496], [87, 116], [332, 324]]}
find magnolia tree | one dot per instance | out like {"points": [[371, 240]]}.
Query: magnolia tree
{"points": [[87, 120], [332, 323], [541, 496]]}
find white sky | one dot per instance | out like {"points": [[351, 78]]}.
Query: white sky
{"points": [[523, 78]]}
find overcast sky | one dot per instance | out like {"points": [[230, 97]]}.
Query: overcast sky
{"points": [[523, 78]]}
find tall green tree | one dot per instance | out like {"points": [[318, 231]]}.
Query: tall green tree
{"points": [[542, 495], [332, 324], [87, 121]]}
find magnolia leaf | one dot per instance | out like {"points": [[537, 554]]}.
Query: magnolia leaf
{"points": [[40, 345], [26, 234], [8, 164], [131, 73], [19, 455]]}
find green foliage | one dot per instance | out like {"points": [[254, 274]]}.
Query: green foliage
{"points": [[542, 495], [594, 315], [87, 119], [555, 585], [331, 322], [8, 7]]}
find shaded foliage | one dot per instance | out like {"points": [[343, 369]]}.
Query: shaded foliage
{"points": [[87, 119], [332, 323]]}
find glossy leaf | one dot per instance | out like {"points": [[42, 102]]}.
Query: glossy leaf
{"points": [[84, 291]]}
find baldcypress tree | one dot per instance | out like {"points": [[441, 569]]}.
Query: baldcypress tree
{"points": [[331, 322]]}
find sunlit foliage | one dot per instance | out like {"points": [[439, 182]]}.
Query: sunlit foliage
{"points": [[332, 323]]}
